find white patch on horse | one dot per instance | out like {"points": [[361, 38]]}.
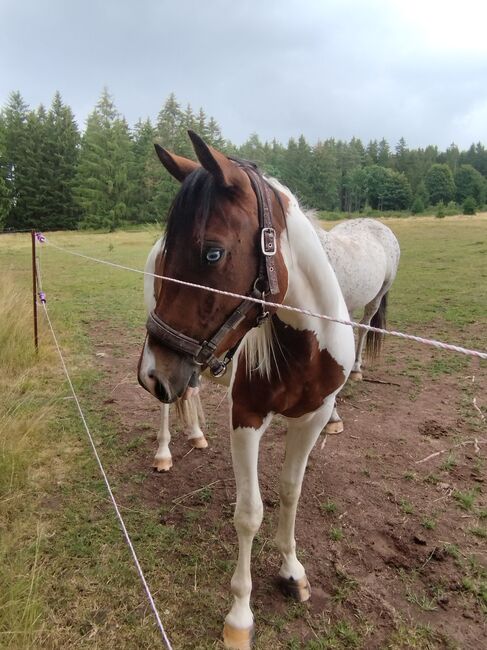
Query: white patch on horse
{"points": [[312, 284], [150, 280]]}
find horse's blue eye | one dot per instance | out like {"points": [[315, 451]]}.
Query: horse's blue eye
{"points": [[213, 255]]}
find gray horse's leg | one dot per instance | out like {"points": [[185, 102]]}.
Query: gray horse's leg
{"points": [[370, 310], [335, 423]]}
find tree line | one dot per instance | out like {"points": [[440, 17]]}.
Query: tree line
{"points": [[53, 176]]}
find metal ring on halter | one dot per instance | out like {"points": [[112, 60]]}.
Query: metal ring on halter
{"points": [[264, 315]]}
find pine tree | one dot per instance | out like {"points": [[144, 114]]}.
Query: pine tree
{"points": [[296, 168], [60, 157], [143, 171], [253, 150], [215, 138], [14, 160], [324, 177], [401, 156], [36, 170], [350, 158], [169, 125], [171, 134], [4, 202], [188, 121], [372, 153], [383, 154], [103, 181]]}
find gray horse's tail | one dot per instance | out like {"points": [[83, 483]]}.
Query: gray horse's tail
{"points": [[373, 342]]}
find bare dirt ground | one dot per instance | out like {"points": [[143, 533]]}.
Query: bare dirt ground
{"points": [[393, 541]]}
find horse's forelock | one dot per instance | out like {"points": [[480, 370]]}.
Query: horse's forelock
{"points": [[191, 208]]}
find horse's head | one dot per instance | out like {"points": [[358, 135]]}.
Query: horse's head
{"points": [[223, 232]]}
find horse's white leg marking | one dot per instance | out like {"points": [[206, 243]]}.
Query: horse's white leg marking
{"points": [[163, 459], [335, 423], [195, 435], [300, 439], [247, 520]]}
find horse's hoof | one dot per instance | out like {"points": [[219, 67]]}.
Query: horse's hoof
{"points": [[356, 375], [334, 427], [199, 443], [236, 638], [162, 464], [298, 590]]}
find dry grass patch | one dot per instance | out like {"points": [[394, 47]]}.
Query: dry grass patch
{"points": [[26, 412]]}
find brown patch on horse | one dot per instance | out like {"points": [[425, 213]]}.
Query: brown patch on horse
{"points": [[286, 391]]}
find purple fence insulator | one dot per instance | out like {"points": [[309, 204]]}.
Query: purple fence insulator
{"points": [[40, 237], [42, 296]]}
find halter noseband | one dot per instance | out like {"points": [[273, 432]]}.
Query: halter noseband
{"points": [[265, 283]]}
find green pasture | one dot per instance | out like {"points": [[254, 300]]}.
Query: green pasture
{"points": [[66, 577]]}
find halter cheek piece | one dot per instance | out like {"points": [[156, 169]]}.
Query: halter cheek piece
{"points": [[203, 352]]}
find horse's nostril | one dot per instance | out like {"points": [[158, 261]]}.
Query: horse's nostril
{"points": [[151, 374], [161, 392]]}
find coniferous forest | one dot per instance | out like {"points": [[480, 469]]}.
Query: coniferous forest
{"points": [[53, 176]]}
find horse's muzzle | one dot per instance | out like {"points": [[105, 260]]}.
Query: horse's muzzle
{"points": [[164, 373]]}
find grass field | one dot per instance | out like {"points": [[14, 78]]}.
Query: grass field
{"points": [[69, 579]]}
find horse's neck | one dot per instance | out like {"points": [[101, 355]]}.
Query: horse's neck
{"points": [[312, 283]]}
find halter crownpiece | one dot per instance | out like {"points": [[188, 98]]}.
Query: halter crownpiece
{"points": [[265, 283], [268, 239]]}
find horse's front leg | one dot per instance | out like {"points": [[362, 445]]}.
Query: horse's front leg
{"points": [[301, 437], [163, 458], [239, 623]]}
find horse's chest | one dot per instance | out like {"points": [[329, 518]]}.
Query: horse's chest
{"points": [[301, 377]]}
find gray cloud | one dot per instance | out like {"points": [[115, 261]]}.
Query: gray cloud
{"points": [[279, 68]]}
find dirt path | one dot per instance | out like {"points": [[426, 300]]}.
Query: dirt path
{"points": [[394, 548]]}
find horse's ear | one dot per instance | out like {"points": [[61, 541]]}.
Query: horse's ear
{"points": [[225, 172], [177, 166]]}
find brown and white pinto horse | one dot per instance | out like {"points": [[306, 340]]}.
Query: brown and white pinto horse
{"points": [[231, 229]]}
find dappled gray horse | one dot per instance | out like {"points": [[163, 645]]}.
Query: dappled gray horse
{"points": [[364, 254]]}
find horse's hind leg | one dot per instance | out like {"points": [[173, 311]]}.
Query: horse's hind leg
{"points": [[300, 440], [163, 459], [370, 310], [335, 423]]}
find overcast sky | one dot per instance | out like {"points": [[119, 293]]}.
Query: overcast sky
{"points": [[324, 68]]}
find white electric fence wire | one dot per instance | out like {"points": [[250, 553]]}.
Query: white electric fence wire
{"points": [[105, 478], [437, 344]]}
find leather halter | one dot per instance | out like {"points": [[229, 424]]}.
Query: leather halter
{"points": [[265, 283]]}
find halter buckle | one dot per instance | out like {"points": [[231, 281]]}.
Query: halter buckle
{"points": [[268, 241], [220, 372]]}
